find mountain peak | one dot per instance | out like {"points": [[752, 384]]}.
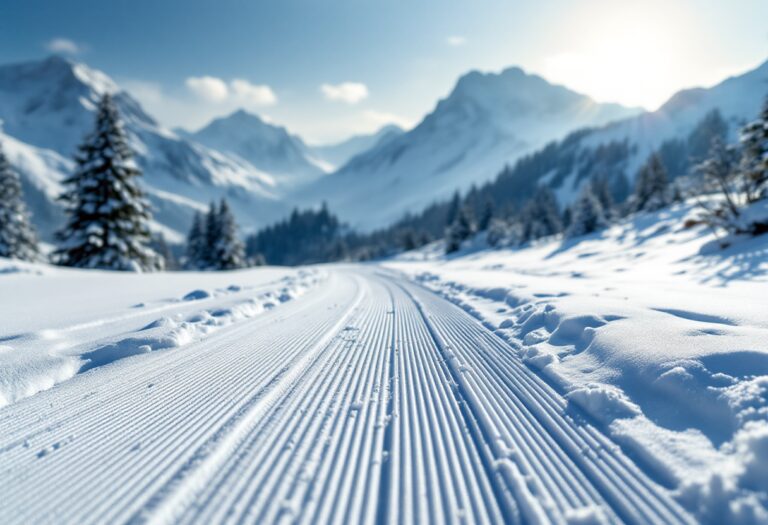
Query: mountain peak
{"points": [[266, 146], [242, 114], [239, 120]]}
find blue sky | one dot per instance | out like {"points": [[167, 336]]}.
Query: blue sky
{"points": [[328, 69]]}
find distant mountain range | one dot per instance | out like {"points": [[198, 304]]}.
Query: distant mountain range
{"points": [[487, 121], [269, 148], [336, 155], [47, 107], [739, 99]]}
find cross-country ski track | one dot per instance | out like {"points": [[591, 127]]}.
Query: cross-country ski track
{"points": [[366, 400]]}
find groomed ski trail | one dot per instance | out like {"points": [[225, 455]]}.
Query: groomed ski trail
{"points": [[367, 400]]}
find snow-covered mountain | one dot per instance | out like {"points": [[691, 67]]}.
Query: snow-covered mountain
{"points": [[488, 120], [738, 99], [268, 147], [339, 154], [47, 107]]}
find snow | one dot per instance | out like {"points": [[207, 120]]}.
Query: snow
{"points": [[644, 327], [487, 121], [337, 155], [46, 343], [47, 107], [333, 393], [267, 147], [739, 99], [620, 376]]}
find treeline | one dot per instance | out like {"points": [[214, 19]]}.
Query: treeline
{"points": [[310, 236]]}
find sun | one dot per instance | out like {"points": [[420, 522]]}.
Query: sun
{"points": [[625, 54]]}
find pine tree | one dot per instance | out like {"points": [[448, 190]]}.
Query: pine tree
{"points": [[197, 244], [620, 189], [256, 259], [541, 217], [567, 218], [228, 249], [587, 214], [108, 214], [602, 190], [453, 209], [462, 229], [160, 246], [712, 127], [209, 259], [738, 183], [652, 188], [409, 241], [754, 159], [486, 216], [18, 238]]}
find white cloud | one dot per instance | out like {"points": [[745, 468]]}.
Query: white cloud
{"points": [[63, 45], [211, 89], [348, 92], [252, 95], [456, 41], [238, 92], [377, 119]]}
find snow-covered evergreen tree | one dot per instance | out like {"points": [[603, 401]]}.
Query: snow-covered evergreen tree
{"points": [[566, 220], [462, 229], [256, 259], [587, 214], [212, 234], [541, 216], [601, 189], [739, 183], [754, 158], [160, 246], [197, 245], [652, 187], [18, 238], [620, 190], [228, 249], [503, 233], [486, 215], [108, 214], [409, 241], [453, 209]]}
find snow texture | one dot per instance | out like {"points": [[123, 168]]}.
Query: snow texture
{"points": [[648, 330]]}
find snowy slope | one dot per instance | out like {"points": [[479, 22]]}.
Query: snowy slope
{"points": [[339, 154], [48, 106], [488, 120], [739, 99], [661, 338], [268, 147]]}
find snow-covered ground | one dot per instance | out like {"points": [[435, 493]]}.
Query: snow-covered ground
{"points": [[620, 378], [55, 323], [657, 334]]}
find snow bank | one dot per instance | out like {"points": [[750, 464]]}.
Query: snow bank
{"points": [[90, 319], [651, 333]]}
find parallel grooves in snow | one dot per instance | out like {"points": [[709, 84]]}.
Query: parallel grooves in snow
{"points": [[566, 464], [367, 400], [195, 391]]}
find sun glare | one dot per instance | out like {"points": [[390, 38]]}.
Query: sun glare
{"points": [[626, 55]]}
